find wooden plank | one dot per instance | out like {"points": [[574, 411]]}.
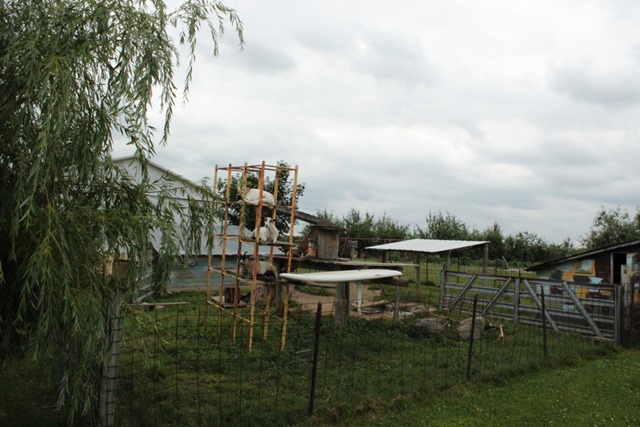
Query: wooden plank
{"points": [[308, 218]]}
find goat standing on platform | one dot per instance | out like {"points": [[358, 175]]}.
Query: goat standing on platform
{"points": [[273, 230], [262, 232]]}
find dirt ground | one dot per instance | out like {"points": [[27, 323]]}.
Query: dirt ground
{"points": [[309, 302], [373, 302]]}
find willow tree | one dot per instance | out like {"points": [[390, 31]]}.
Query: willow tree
{"points": [[73, 74]]}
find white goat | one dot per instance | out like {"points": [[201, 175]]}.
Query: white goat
{"points": [[252, 197], [273, 230], [268, 233], [263, 232]]}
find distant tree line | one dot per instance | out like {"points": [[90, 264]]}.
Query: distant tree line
{"points": [[522, 248]]}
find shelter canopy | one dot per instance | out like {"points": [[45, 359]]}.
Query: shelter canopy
{"points": [[427, 245]]}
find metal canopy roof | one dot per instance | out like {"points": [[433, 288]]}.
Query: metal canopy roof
{"points": [[426, 245]]}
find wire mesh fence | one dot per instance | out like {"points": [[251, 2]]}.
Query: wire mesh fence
{"points": [[195, 364]]}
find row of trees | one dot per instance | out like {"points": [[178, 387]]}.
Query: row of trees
{"points": [[522, 248]]}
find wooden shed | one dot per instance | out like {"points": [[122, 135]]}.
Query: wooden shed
{"points": [[612, 267], [193, 275]]}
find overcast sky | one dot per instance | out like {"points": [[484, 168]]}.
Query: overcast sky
{"points": [[525, 113]]}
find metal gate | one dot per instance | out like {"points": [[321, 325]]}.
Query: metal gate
{"points": [[630, 301], [587, 309]]}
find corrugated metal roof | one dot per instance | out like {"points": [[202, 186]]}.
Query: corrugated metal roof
{"points": [[427, 245], [231, 247]]}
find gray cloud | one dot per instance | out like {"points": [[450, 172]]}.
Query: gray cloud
{"points": [[609, 89], [522, 113], [393, 56]]}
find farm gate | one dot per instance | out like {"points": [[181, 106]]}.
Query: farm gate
{"points": [[585, 309]]}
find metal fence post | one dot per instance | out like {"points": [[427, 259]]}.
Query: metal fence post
{"points": [[544, 323], [314, 359], [471, 337]]}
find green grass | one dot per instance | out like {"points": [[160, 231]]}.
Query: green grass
{"points": [[599, 392], [178, 369], [26, 399]]}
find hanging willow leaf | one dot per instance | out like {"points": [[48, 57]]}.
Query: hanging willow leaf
{"points": [[72, 74]]}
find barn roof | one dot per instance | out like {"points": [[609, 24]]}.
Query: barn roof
{"points": [[131, 164], [427, 245]]}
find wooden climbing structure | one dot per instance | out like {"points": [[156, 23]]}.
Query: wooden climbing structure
{"points": [[242, 197]]}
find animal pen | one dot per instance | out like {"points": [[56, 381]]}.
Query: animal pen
{"points": [[560, 305], [178, 369], [304, 352]]}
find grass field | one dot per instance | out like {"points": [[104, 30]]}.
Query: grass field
{"points": [[26, 400], [181, 372], [599, 392], [363, 369]]}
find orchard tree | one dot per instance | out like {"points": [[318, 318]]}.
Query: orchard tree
{"points": [[443, 227], [612, 226], [329, 217], [359, 226], [526, 247], [493, 235], [560, 250], [387, 228], [72, 74]]}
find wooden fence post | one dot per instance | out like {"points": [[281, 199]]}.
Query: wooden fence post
{"points": [[341, 304], [107, 384]]}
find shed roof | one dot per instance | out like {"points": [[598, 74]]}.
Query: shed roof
{"points": [[427, 245], [611, 248]]}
